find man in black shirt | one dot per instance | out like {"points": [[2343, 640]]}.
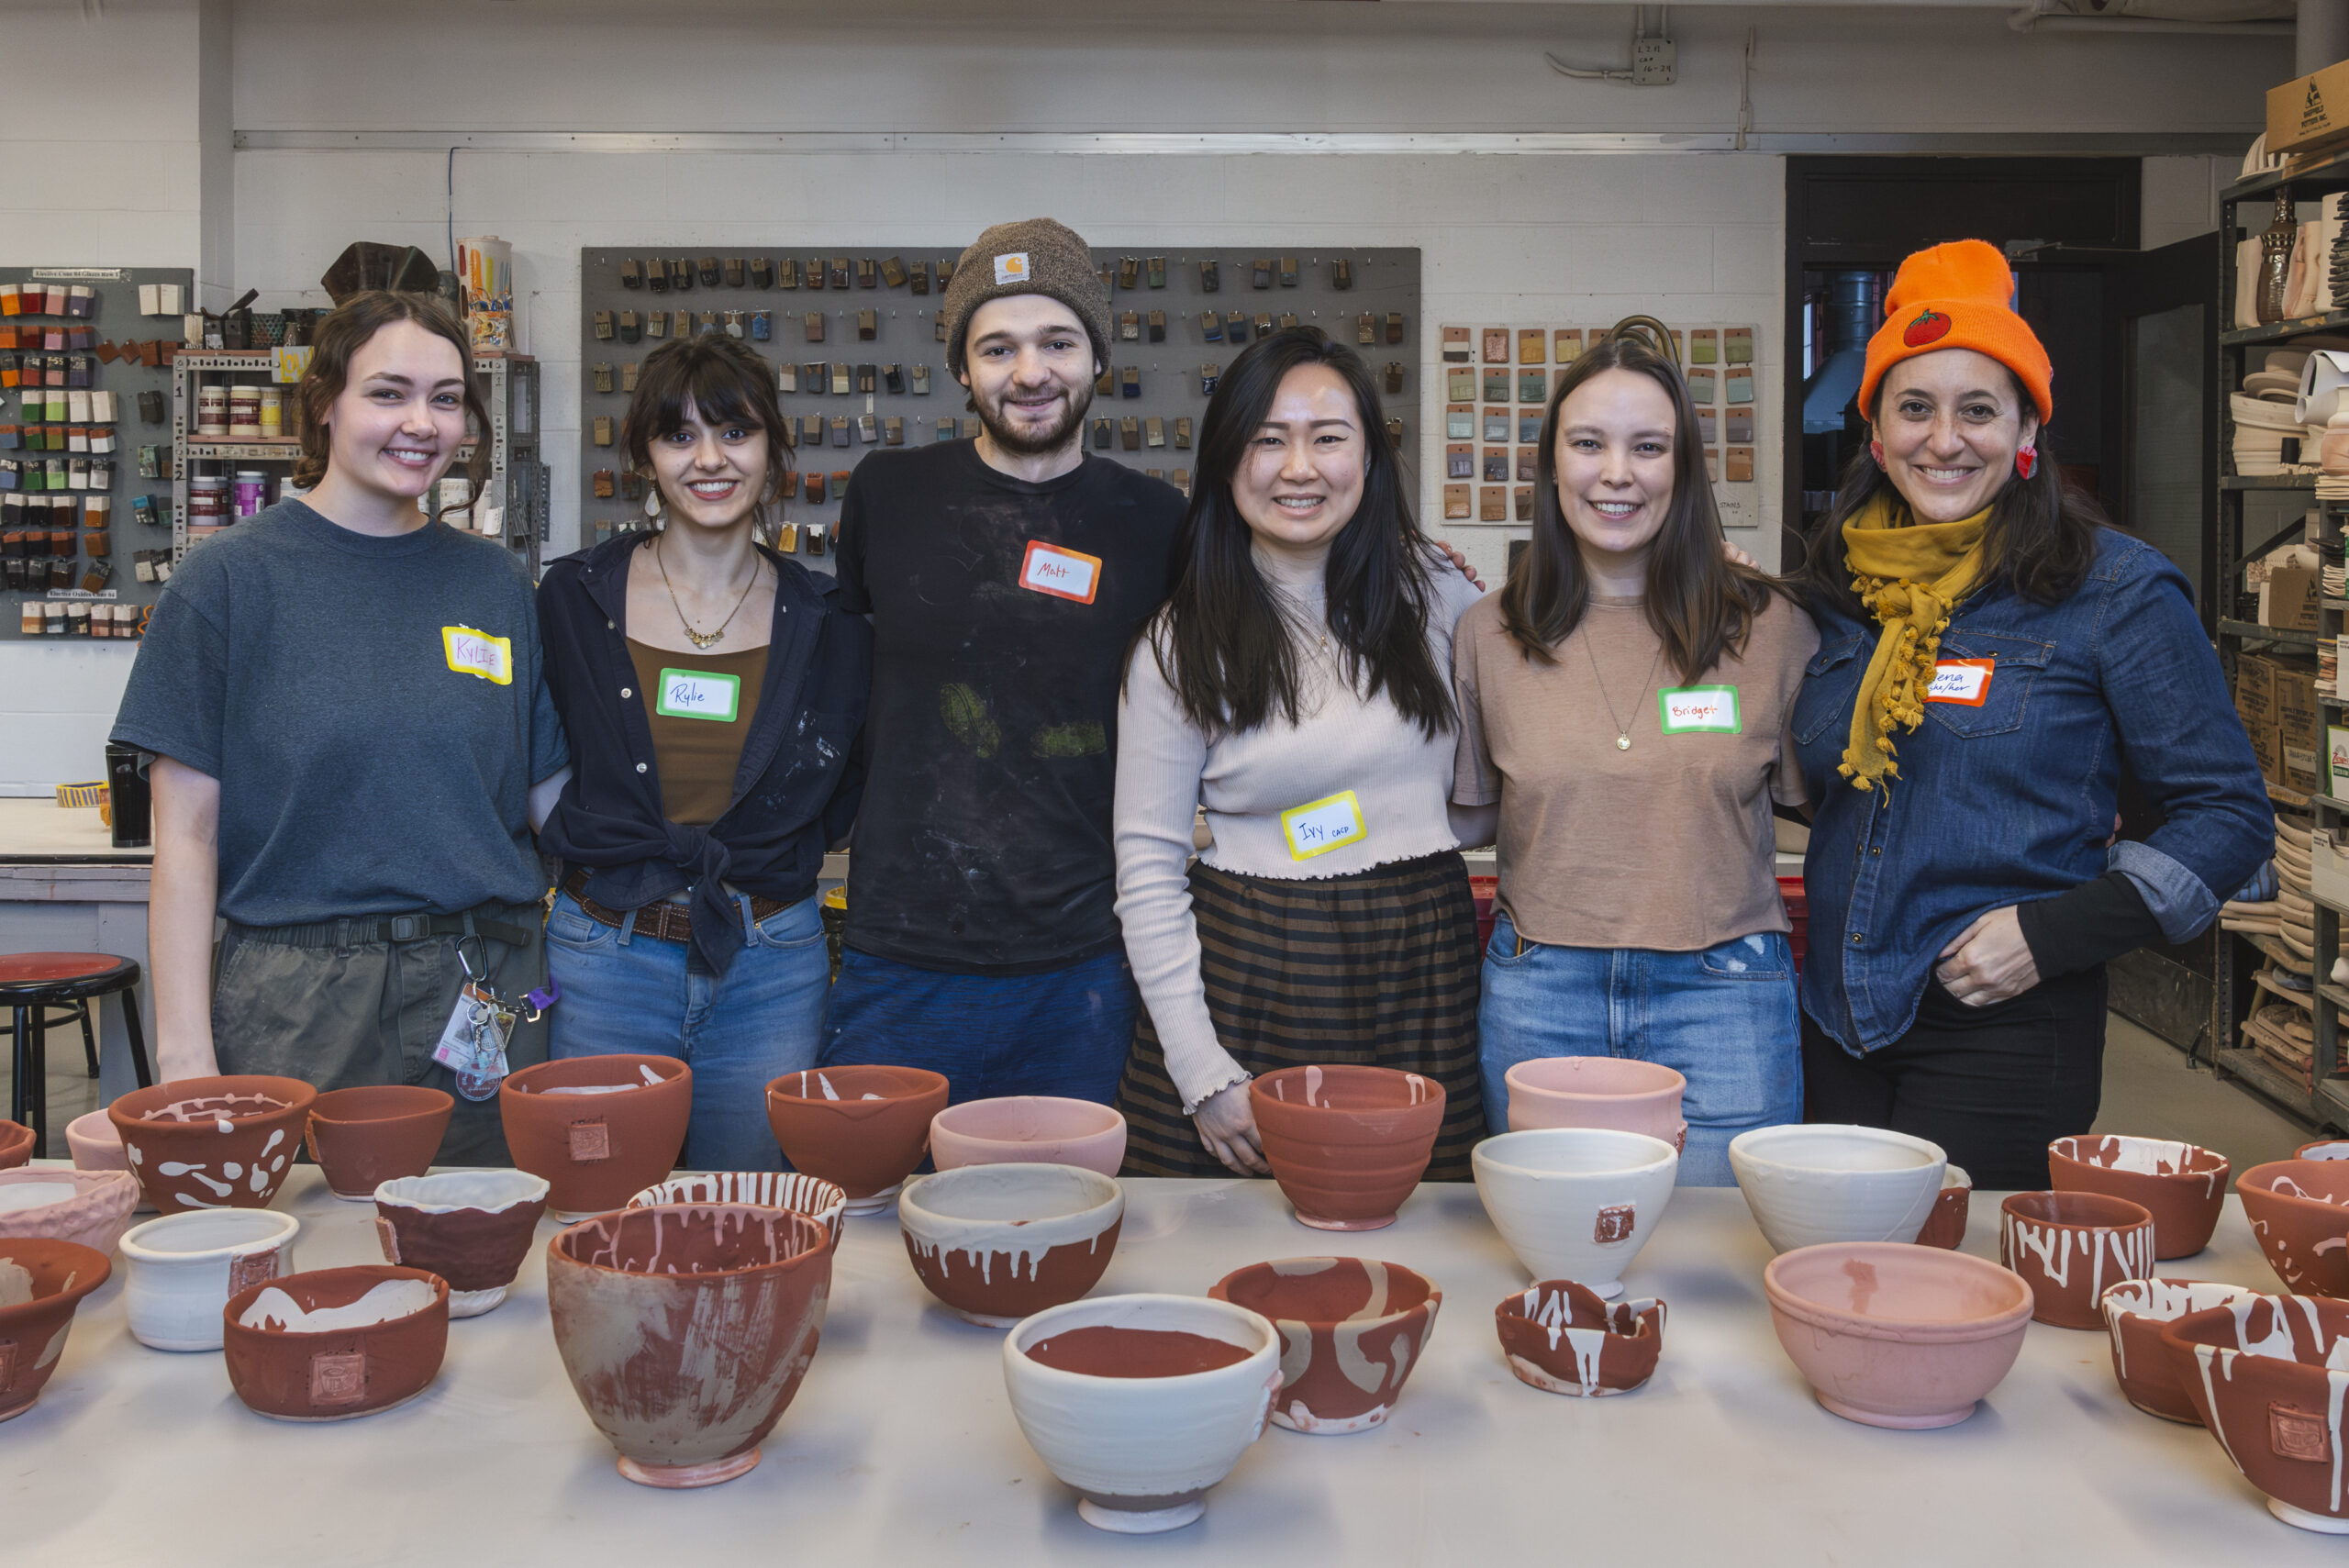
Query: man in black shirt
{"points": [[1006, 577]]}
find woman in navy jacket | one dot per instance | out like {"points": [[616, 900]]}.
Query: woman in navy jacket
{"points": [[1991, 659], [713, 690]]}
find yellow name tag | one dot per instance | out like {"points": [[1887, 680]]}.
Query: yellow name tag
{"points": [[472, 652], [1331, 823]]}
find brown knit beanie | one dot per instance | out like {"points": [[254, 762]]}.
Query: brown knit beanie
{"points": [[1033, 256]]}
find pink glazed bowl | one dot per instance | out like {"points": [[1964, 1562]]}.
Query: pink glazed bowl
{"points": [[1620, 1092], [1029, 1130], [1890, 1334]]}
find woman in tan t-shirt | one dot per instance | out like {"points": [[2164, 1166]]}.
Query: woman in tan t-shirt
{"points": [[1624, 700]]}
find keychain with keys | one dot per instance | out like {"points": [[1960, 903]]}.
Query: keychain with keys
{"points": [[472, 1045]]}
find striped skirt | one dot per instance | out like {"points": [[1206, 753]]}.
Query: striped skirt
{"points": [[1378, 968]]}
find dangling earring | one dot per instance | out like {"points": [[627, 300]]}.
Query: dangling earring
{"points": [[652, 499], [2026, 458], [1875, 451]]}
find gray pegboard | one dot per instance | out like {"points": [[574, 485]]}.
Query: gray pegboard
{"points": [[113, 320], [1385, 284]]}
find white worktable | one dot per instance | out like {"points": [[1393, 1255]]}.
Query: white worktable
{"points": [[901, 1448]]}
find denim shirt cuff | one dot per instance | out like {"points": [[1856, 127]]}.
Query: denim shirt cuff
{"points": [[2181, 902]]}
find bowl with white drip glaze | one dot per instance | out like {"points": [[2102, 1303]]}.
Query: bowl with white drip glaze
{"points": [[997, 1243]]}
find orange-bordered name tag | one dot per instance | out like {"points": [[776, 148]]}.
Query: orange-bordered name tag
{"points": [[1063, 574], [1965, 681]]}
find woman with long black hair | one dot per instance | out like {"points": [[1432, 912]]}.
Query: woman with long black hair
{"points": [[1297, 687]]}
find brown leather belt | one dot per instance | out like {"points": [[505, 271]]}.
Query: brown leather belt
{"points": [[661, 920]]}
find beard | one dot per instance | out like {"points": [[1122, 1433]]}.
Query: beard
{"points": [[1031, 441]]}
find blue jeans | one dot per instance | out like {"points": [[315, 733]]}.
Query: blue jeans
{"points": [[1723, 1018], [1062, 1032], [623, 992]]}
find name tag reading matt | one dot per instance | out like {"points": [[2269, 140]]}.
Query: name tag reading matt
{"points": [[472, 652], [1323, 825], [1965, 681], [699, 693], [1684, 710], [1063, 574]]}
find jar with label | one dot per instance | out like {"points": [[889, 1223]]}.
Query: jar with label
{"points": [[251, 492], [273, 413], [212, 410], [244, 413], [207, 501]]}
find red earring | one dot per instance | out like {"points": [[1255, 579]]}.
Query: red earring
{"points": [[2026, 458], [1875, 451]]}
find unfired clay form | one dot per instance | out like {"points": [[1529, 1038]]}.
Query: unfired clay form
{"points": [[598, 1128], [223, 1142], [2182, 1185], [362, 1137], [90, 1208], [2298, 1211], [1560, 1337], [1576, 1202], [686, 1331], [1620, 1092], [2136, 1312], [471, 1228], [1034, 1128], [1346, 1143], [998, 1243], [1813, 1184], [861, 1128], [335, 1344], [1895, 1335], [1351, 1329], [820, 1200], [2069, 1247], [1142, 1451], [41, 1282], [2269, 1377], [185, 1267]]}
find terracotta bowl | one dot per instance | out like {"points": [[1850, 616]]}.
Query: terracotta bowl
{"points": [[598, 1128], [1894, 1335], [1619, 1092], [2298, 1210], [41, 1282], [1946, 1227], [471, 1228], [363, 1137], [2261, 1375], [1576, 1202], [1145, 1403], [2182, 1185], [1808, 1184], [335, 1344], [861, 1129], [224, 1142], [1347, 1144], [2323, 1149], [89, 1208], [15, 1144], [1033, 1129], [1561, 1336], [820, 1200], [998, 1243], [686, 1331], [2070, 1247], [2136, 1312], [1351, 1332], [185, 1267]]}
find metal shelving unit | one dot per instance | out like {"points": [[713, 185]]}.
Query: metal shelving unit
{"points": [[2325, 1099]]}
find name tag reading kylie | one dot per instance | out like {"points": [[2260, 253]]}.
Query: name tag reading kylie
{"points": [[699, 693], [1965, 681], [1320, 826], [1684, 710], [472, 652], [1063, 574]]}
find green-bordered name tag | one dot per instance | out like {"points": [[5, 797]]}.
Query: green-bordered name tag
{"points": [[1320, 826], [699, 693], [1687, 710]]}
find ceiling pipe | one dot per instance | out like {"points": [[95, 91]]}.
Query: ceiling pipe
{"points": [[2037, 18]]}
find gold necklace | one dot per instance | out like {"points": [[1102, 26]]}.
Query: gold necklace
{"points": [[1622, 730], [705, 639]]}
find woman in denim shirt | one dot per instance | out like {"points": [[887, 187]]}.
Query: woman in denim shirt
{"points": [[1991, 658]]}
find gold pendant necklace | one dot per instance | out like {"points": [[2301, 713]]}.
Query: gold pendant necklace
{"points": [[1622, 730], [704, 639]]}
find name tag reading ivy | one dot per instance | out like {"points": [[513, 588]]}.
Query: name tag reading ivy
{"points": [[699, 693], [1329, 823], [1691, 711]]}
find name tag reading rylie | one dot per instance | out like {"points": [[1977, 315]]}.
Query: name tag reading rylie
{"points": [[1320, 826], [1063, 574], [472, 652], [1965, 681], [1684, 710], [699, 693]]}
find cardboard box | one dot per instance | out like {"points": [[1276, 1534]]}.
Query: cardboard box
{"points": [[2308, 112], [2291, 599], [2299, 730], [2304, 769], [2269, 751], [2255, 691], [2294, 696]]}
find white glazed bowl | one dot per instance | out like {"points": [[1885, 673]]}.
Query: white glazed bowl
{"points": [[1159, 1441], [1575, 1202], [1811, 1185], [185, 1267]]}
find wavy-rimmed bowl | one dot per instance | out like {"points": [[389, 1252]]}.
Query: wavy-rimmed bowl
{"points": [[89, 1208], [1560, 1337], [471, 1228]]}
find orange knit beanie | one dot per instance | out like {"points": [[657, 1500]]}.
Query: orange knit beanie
{"points": [[1954, 296]]}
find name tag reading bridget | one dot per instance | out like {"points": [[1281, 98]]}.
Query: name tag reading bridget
{"points": [[699, 693], [1063, 574]]}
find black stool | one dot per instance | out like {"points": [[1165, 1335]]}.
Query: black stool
{"points": [[30, 983]]}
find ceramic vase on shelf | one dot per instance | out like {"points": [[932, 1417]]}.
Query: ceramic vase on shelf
{"points": [[2275, 259]]}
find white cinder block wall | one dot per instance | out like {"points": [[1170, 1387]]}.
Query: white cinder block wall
{"points": [[138, 172]]}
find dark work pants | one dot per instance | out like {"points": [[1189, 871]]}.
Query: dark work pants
{"points": [[1992, 1085]]}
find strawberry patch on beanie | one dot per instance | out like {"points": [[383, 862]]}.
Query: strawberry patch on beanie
{"points": [[1958, 297]]}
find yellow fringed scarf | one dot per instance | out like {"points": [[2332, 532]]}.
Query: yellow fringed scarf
{"points": [[1908, 574]]}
